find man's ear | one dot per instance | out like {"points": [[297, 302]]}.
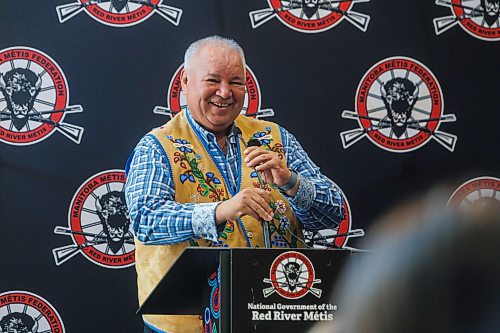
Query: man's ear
{"points": [[184, 80]]}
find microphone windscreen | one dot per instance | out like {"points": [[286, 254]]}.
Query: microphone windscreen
{"points": [[253, 143]]}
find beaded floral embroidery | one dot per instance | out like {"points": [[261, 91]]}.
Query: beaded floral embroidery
{"points": [[189, 160], [266, 141], [228, 229]]}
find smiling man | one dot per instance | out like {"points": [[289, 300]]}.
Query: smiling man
{"points": [[194, 181]]}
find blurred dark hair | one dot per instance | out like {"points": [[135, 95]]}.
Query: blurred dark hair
{"points": [[442, 275]]}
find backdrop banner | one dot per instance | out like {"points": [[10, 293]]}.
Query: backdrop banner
{"points": [[389, 98]]}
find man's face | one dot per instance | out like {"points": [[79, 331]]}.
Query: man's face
{"points": [[215, 87]]}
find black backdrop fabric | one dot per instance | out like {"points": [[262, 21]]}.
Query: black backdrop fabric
{"points": [[117, 73]]}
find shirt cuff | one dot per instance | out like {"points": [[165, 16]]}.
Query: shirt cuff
{"points": [[305, 195], [203, 221]]}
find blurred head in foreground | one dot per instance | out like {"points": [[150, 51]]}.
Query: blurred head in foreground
{"points": [[438, 273]]}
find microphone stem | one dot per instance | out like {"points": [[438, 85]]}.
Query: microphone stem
{"points": [[265, 224]]}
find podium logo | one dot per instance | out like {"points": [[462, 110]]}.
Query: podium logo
{"points": [[176, 100], [399, 107], [479, 18], [25, 312], [119, 13], [310, 16], [292, 276], [478, 195], [34, 98], [98, 223]]}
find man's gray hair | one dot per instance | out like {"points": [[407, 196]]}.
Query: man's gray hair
{"points": [[226, 43]]}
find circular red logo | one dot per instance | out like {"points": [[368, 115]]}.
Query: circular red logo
{"points": [[34, 95], [344, 226], [310, 16], [476, 193], [176, 100], [120, 13], [478, 18], [22, 311], [99, 221], [399, 104], [292, 275]]}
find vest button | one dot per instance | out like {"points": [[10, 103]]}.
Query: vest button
{"points": [[250, 234]]}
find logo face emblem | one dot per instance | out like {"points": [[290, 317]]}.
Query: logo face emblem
{"points": [[477, 195], [99, 223], [176, 100], [22, 311], [34, 98], [399, 107], [310, 16], [119, 13], [479, 18], [334, 238], [292, 276]]}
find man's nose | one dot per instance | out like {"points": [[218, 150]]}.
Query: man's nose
{"points": [[224, 90]]}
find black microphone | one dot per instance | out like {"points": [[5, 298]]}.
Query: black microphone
{"points": [[253, 142]]}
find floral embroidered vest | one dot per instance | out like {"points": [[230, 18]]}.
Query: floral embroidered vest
{"points": [[198, 179]]}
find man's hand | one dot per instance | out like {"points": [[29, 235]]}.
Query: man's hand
{"points": [[249, 201], [271, 168]]}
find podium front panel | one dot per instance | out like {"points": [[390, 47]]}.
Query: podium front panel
{"points": [[283, 290]]}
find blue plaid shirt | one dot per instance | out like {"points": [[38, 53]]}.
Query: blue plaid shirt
{"points": [[157, 219]]}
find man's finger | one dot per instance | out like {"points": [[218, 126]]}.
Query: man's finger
{"points": [[261, 207], [264, 202], [258, 159], [267, 165], [250, 212], [266, 175], [263, 176], [263, 193], [250, 149], [255, 151]]}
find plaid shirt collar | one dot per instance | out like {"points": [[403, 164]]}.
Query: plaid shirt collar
{"points": [[208, 136]]}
